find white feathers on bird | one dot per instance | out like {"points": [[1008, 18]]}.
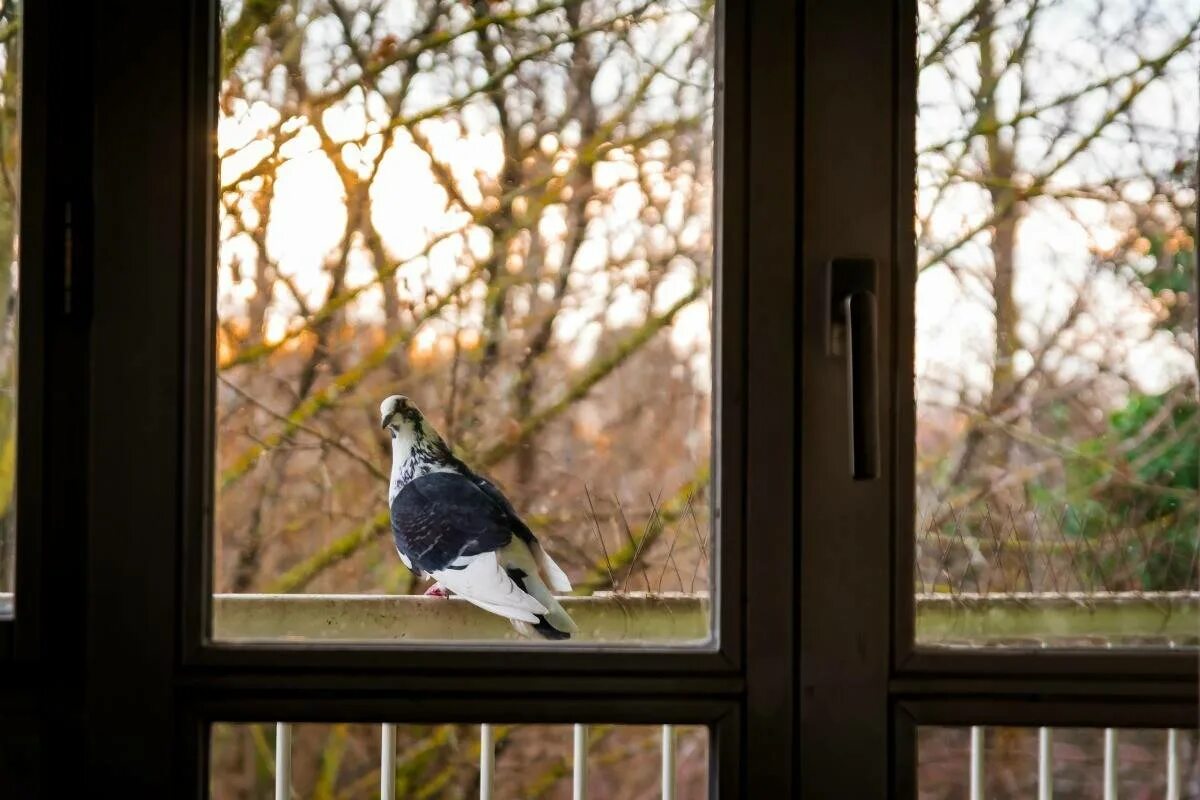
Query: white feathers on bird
{"points": [[455, 526]]}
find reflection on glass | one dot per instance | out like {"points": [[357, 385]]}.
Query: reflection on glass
{"points": [[1096, 763], [1057, 414], [531, 762], [10, 182], [501, 211]]}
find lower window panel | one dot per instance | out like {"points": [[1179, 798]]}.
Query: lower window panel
{"points": [[249, 761], [1001, 762]]}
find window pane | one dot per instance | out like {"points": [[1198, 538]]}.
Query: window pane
{"points": [[443, 761], [1056, 374], [10, 182], [503, 213], [1062, 762]]}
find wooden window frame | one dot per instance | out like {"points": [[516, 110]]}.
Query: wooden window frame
{"points": [[731, 447]]}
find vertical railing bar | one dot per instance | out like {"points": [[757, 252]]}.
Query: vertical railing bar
{"points": [[283, 761], [668, 762], [977, 762], [1173, 783], [387, 761], [579, 765], [1110, 764], [487, 761], [1045, 764]]}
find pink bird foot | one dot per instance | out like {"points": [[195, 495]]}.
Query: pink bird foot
{"points": [[436, 590]]}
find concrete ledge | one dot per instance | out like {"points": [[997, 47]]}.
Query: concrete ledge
{"points": [[1073, 619], [1149, 618], [630, 619], [1154, 618]]}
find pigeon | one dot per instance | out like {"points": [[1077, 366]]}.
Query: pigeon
{"points": [[453, 525]]}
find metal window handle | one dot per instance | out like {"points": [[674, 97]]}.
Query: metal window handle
{"points": [[862, 388], [851, 332]]}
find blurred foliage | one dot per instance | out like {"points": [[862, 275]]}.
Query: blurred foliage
{"points": [[1148, 521], [1164, 457]]}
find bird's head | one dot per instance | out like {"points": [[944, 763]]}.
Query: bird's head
{"points": [[397, 413], [411, 433]]}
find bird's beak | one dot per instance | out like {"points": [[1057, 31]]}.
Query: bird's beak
{"points": [[386, 420]]}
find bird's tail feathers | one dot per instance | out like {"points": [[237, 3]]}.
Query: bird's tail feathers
{"points": [[540, 628], [553, 573], [525, 566], [517, 615], [555, 614]]}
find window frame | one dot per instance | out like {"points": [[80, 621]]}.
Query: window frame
{"points": [[730, 384], [42, 647], [149, 672], [53, 318], [862, 666], [911, 659]]}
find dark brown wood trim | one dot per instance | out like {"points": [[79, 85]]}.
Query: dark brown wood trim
{"points": [[846, 212], [1082, 713]]}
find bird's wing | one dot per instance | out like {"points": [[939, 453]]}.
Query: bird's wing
{"points": [[441, 517], [518, 525], [551, 572], [449, 528]]}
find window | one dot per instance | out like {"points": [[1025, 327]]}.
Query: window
{"points": [[579, 294], [958, 559], [823, 673], [1057, 486], [505, 215]]}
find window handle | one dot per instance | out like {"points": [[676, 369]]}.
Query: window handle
{"points": [[862, 389], [852, 331]]}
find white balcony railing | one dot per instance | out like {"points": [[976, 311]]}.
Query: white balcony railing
{"points": [[487, 763]]}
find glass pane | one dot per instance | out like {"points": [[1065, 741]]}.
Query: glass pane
{"points": [[531, 762], [996, 763], [10, 206], [502, 214], [1057, 466]]}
